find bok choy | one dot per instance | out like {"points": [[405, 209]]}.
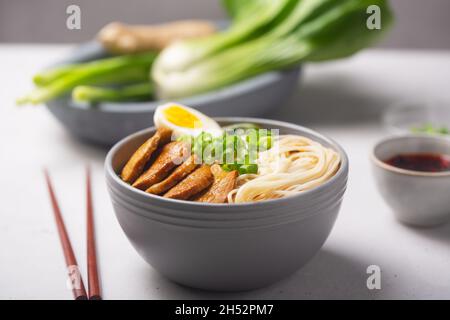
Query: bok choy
{"points": [[267, 35]]}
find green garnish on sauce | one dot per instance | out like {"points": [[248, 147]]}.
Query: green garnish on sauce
{"points": [[431, 129]]}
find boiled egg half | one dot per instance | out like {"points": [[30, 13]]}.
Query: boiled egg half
{"points": [[183, 120]]}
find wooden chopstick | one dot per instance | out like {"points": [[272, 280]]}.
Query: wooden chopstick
{"points": [[78, 289], [93, 278]]}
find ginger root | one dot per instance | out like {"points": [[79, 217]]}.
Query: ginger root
{"points": [[121, 38]]}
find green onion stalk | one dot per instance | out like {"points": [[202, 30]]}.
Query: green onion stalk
{"points": [[93, 94], [45, 78], [117, 70]]}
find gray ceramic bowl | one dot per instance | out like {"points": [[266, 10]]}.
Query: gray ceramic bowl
{"points": [[416, 198], [107, 123], [226, 247]]}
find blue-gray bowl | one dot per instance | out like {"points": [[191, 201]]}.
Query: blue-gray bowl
{"points": [[226, 247], [107, 123]]}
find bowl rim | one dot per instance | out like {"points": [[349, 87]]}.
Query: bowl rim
{"points": [[341, 173], [380, 163]]}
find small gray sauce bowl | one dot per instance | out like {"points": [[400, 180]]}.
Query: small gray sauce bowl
{"points": [[226, 254], [417, 198]]}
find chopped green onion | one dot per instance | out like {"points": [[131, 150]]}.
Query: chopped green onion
{"points": [[264, 143], [248, 169], [230, 167], [234, 150]]}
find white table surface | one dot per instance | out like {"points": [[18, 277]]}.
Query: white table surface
{"points": [[342, 99]]}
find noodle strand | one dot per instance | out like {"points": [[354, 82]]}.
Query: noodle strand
{"points": [[294, 164]]}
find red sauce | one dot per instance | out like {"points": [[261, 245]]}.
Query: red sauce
{"points": [[426, 162]]}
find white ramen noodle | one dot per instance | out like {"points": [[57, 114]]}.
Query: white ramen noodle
{"points": [[294, 164]]}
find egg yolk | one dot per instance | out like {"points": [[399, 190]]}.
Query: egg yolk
{"points": [[182, 117]]}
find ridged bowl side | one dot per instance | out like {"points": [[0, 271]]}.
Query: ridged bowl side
{"points": [[227, 259]]}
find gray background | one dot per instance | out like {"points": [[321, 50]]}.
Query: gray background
{"points": [[419, 24]]}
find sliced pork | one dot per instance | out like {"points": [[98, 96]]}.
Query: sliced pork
{"points": [[136, 164], [194, 183], [176, 176], [172, 155], [224, 182]]}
